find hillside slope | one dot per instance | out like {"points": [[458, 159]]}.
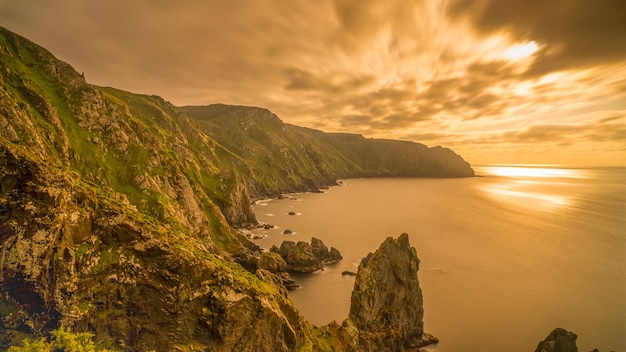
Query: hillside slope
{"points": [[286, 158]]}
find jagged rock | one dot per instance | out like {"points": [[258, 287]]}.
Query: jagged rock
{"points": [[321, 251], [319, 248], [559, 340], [386, 308], [299, 256], [305, 257], [333, 256]]}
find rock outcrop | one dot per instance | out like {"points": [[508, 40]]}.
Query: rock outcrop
{"points": [[298, 256], [559, 340], [275, 264], [322, 252], [386, 311], [306, 257]]}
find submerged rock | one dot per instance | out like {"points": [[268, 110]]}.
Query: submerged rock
{"points": [[559, 340], [386, 311]]}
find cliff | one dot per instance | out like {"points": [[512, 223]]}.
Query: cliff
{"points": [[288, 158], [115, 218], [117, 215]]}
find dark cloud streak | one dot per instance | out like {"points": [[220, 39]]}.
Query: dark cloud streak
{"points": [[573, 33]]}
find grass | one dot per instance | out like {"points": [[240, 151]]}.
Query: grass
{"points": [[107, 259]]}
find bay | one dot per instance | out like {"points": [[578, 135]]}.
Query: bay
{"points": [[505, 258]]}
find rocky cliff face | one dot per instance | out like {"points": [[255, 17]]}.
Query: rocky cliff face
{"points": [[386, 309], [77, 258]]}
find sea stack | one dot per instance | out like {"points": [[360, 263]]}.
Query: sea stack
{"points": [[387, 307], [559, 340]]}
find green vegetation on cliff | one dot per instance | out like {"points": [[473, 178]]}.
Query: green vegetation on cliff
{"points": [[287, 158]]}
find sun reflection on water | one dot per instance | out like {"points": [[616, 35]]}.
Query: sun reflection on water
{"points": [[530, 186], [532, 171], [524, 197]]}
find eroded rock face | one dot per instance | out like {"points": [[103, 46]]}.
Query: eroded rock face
{"points": [[387, 307], [559, 340], [74, 260]]}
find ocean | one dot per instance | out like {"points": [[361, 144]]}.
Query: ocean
{"points": [[505, 257]]}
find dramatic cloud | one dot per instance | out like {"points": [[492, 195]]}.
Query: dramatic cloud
{"points": [[499, 81], [571, 33]]}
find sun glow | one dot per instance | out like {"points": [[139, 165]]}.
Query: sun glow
{"points": [[521, 51], [516, 171]]}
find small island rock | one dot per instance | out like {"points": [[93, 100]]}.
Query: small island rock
{"points": [[387, 306], [559, 340]]}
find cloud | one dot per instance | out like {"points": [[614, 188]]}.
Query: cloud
{"points": [[608, 127], [571, 33], [434, 70]]}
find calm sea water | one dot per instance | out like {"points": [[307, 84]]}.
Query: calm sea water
{"points": [[505, 258]]}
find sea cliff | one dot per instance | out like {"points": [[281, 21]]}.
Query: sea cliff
{"points": [[117, 215]]}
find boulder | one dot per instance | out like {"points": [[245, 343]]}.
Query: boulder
{"points": [[386, 308], [287, 232], [559, 340]]}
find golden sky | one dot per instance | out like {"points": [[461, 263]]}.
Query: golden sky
{"points": [[498, 81]]}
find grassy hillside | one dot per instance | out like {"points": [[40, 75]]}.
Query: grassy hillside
{"points": [[285, 157]]}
